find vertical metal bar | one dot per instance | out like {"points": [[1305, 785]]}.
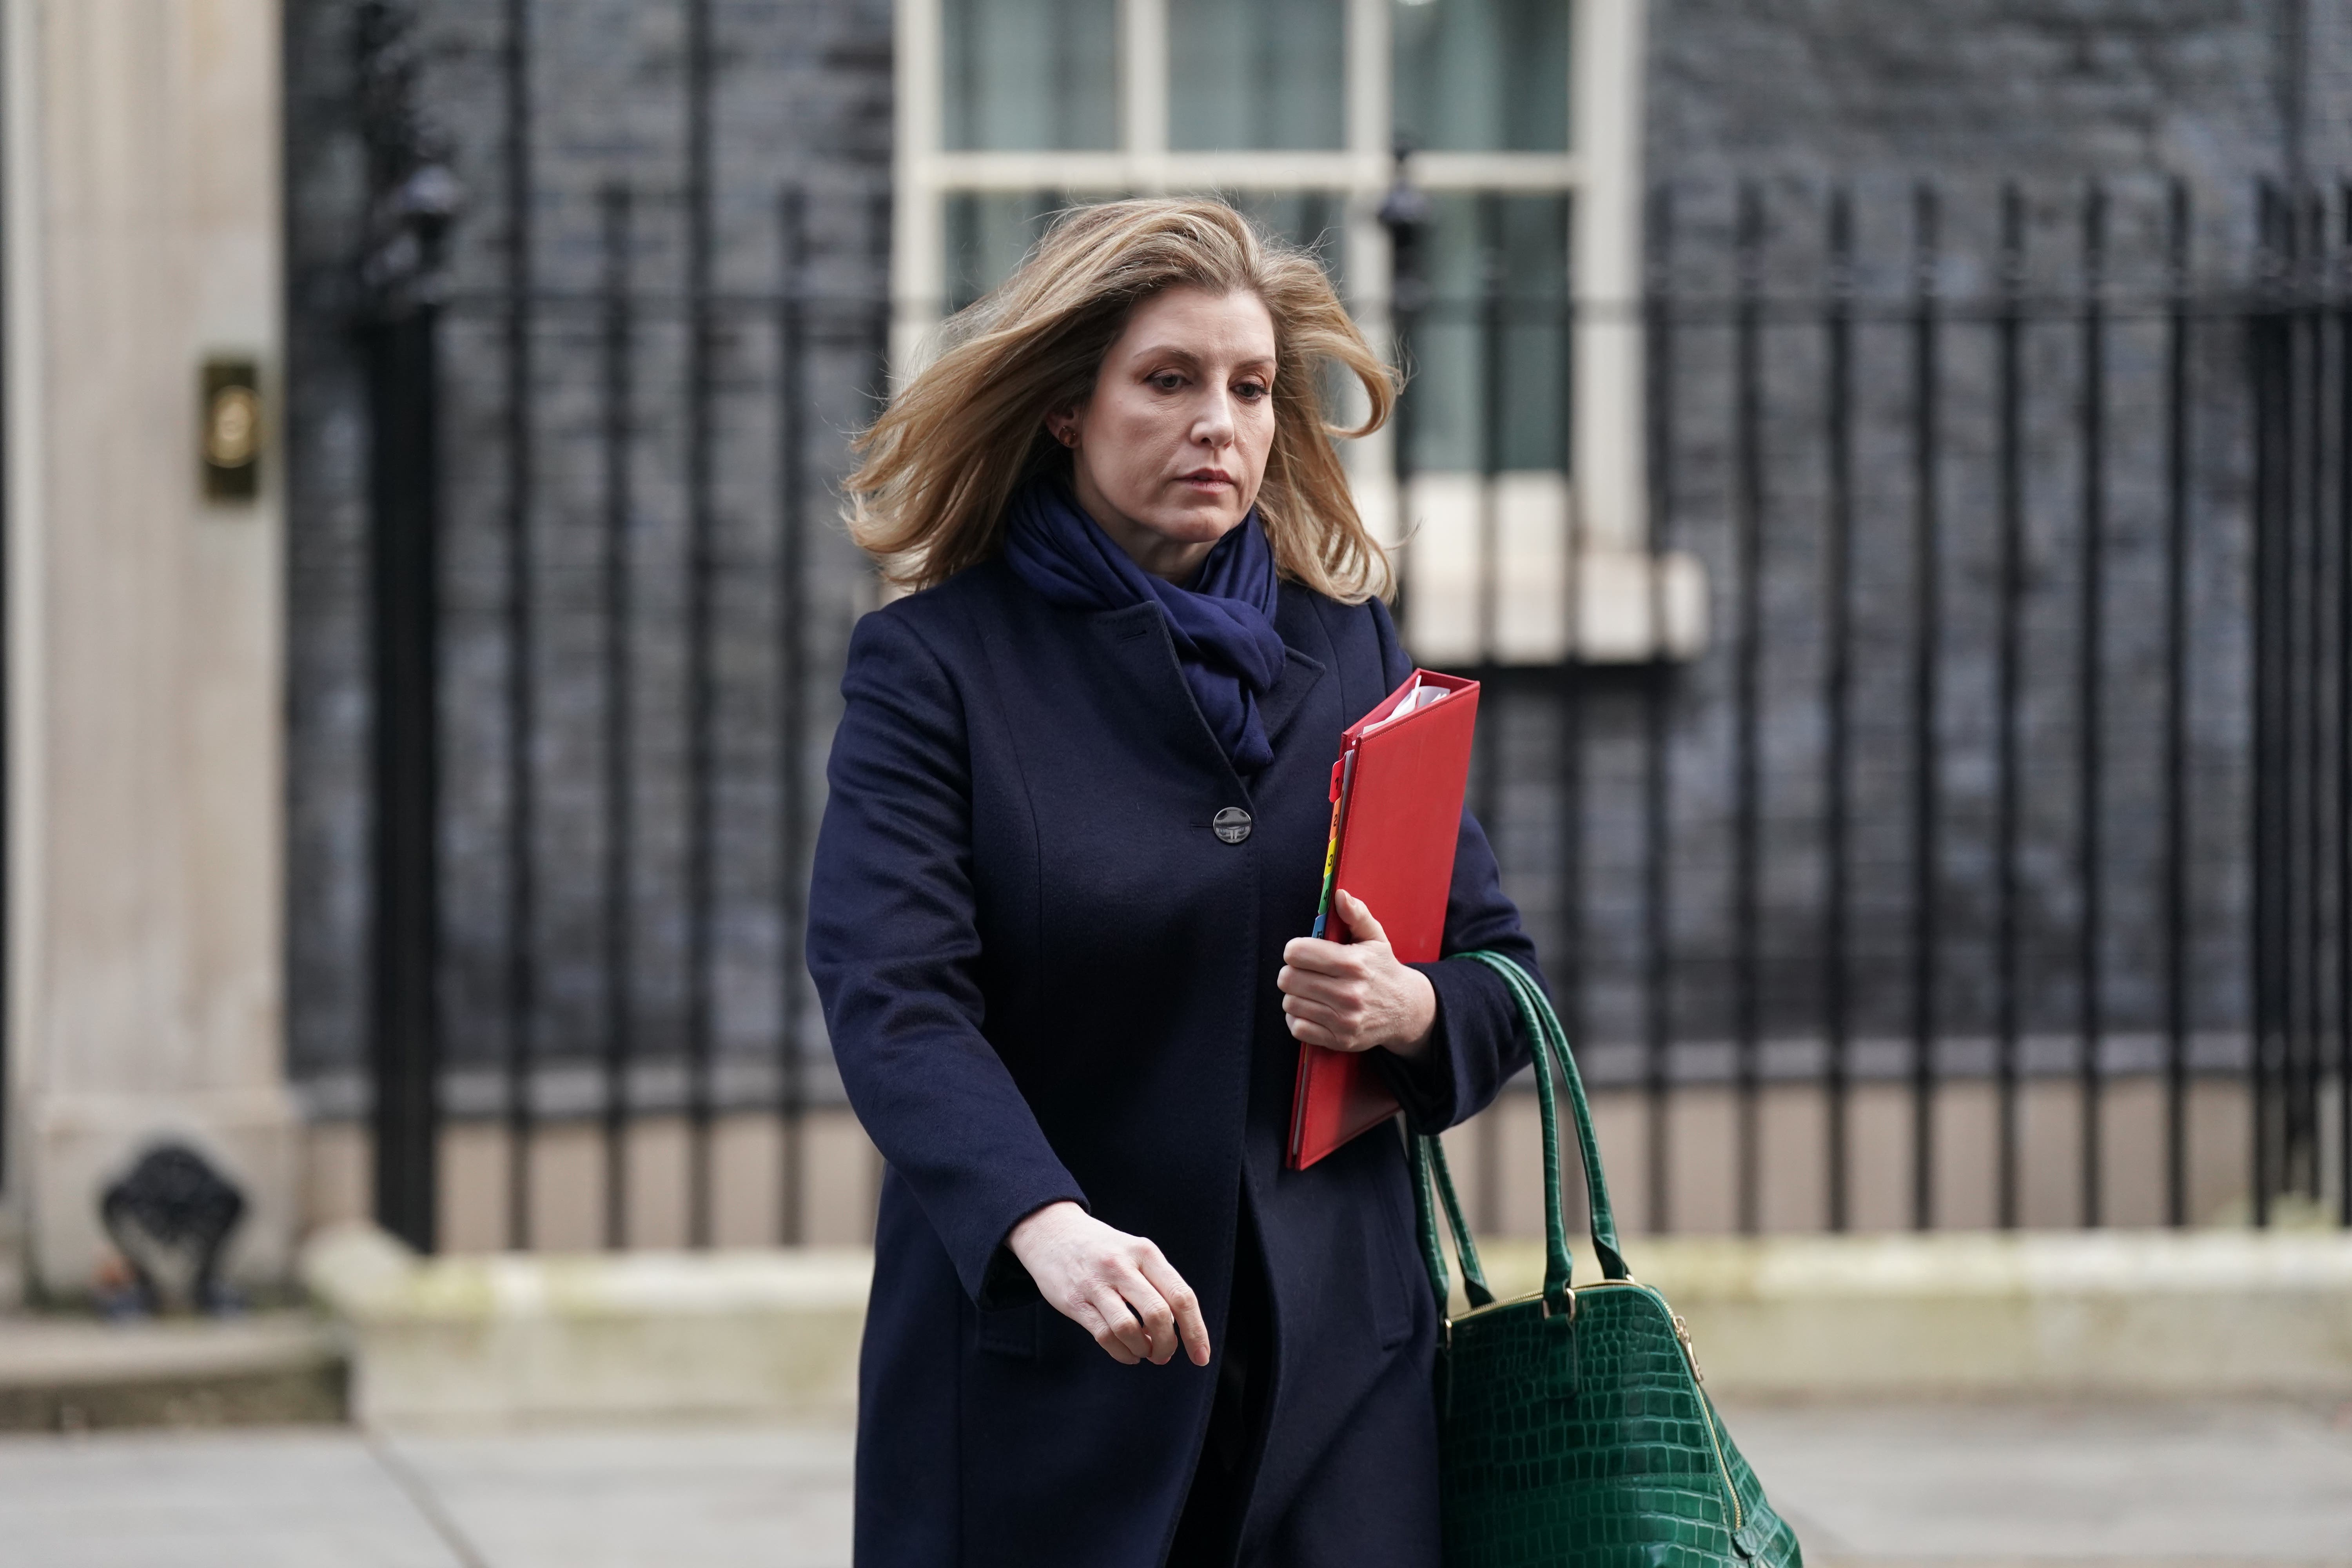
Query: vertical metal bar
{"points": [[1405, 214], [2326, 899], [620, 716], [2294, 701], [1837, 696], [2009, 393], [522, 585], [792, 712], [1404, 317], [2090, 973], [2263, 940], [2276, 508], [1748, 525], [2343, 446], [1491, 406], [1657, 752], [2309, 824], [2279, 527], [402, 276], [1570, 963], [1927, 692], [1487, 744], [2326, 653], [701, 762], [2176, 708], [404, 768], [1568, 971], [877, 255]]}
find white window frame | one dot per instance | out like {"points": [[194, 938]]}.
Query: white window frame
{"points": [[1601, 171]]}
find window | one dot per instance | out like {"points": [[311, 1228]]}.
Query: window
{"points": [[1029, 76], [1482, 76], [1257, 75], [1523, 116]]}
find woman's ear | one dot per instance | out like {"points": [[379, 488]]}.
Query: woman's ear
{"points": [[1063, 426]]}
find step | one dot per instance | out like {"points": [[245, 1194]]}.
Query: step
{"points": [[2225, 1313], [508, 1337], [64, 1373]]}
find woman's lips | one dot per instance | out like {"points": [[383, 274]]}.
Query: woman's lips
{"points": [[1209, 479]]}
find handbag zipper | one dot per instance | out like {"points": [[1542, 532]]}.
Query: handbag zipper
{"points": [[1690, 1352], [1690, 1355]]}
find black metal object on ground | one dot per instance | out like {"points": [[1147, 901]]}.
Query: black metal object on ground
{"points": [[172, 1214]]}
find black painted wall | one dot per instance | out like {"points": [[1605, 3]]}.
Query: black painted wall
{"points": [[800, 95]]}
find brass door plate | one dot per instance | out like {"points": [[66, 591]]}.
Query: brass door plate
{"points": [[230, 435]]}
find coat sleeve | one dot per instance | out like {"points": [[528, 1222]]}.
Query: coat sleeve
{"points": [[895, 950], [1478, 1042]]}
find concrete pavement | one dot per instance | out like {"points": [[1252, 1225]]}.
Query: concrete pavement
{"points": [[2017, 1484], [1940, 1486], [335, 1498]]}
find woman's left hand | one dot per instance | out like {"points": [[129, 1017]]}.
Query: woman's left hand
{"points": [[1356, 995]]}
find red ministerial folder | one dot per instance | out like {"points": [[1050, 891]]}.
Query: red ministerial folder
{"points": [[1396, 815]]}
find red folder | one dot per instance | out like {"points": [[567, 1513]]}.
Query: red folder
{"points": [[1396, 814]]}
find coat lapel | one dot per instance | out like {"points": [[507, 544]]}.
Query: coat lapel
{"points": [[1278, 707], [1302, 672], [1136, 638]]}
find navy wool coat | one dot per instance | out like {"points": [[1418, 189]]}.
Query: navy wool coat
{"points": [[1047, 977]]}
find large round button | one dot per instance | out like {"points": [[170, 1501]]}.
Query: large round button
{"points": [[1233, 825]]}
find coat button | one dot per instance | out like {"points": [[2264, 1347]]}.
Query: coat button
{"points": [[1233, 825]]}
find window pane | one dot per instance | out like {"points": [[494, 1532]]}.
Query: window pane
{"points": [[1482, 76], [1256, 74], [987, 236], [1491, 349], [1030, 76]]}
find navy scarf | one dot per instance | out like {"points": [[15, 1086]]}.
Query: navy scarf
{"points": [[1222, 624]]}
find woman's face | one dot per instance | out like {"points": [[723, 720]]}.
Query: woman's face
{"points": [[1168, 450]]}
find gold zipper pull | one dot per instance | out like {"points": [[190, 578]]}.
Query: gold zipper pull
{"points": [[1714, 1438], [1682, 1332]]}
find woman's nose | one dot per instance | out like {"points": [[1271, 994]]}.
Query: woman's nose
{"points": [[1214, 428]]}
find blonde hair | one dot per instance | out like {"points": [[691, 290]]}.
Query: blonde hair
{"points": [[940, 464]]}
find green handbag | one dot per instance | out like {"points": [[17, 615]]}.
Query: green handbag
{"points": [[1572, 1429]]}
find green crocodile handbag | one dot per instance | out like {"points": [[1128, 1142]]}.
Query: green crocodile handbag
{"points": [[1572, 1428]]}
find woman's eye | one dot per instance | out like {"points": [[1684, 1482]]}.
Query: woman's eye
{"points": [[1168, 381], [1250, 391]]}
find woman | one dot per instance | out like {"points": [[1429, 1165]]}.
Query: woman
{"points": [[1075, 831]]}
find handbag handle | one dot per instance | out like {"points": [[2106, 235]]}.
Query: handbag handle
{"points": [[1549, 1052]]}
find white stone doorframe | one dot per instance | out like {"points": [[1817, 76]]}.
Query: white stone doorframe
{"points": [[144, 623]]}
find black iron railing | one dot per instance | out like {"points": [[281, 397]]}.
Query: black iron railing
{"points": [[2026, 565], [2013, 757]]}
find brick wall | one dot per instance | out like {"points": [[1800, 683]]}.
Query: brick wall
{"points": [[1794, 93]]}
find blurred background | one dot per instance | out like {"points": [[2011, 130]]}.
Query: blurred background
{"points": [[1888, 465]]}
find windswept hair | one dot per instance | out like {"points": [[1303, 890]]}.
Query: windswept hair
{"points": [[940, 464]]}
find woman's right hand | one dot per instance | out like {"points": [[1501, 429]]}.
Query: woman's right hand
{"points": [[1117, 1287]]}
